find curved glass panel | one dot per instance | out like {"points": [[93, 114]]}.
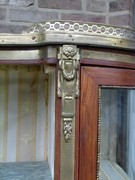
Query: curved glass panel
{"points": [[117, 134]]}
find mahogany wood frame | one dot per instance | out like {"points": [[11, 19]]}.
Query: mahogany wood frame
{"points": [[91, 79]]}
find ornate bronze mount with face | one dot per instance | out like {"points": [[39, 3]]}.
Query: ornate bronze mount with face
{"points": [[68, 86]]}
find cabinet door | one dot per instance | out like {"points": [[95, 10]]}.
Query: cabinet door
{"points": [[107, 124]]}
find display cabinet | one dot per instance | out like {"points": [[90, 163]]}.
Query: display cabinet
{"points": [[67, 92]]}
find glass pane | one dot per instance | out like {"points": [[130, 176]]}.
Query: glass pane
{"points": [[26, 123], [117, 134]]}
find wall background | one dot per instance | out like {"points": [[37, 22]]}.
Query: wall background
{"points": [[18, 15]]}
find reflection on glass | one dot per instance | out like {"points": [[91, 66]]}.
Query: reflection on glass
{"points": [[117, 134]]}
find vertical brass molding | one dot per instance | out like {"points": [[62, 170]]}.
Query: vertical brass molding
{"points": [[68, 91], [99, 122]]}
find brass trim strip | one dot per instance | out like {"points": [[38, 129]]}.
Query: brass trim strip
{"points": [[18, 55], [118, 87], [99, 122], [30, 54], [107, 56]]}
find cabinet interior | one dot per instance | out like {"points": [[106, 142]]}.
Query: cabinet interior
{"points": [[27, 121]]}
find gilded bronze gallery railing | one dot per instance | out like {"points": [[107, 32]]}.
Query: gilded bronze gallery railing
{"points": [[74, 33], [59, 43]]}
